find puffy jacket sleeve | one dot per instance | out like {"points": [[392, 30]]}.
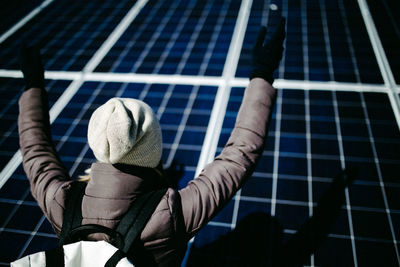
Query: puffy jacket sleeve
{"points": [[47, 175], [218, 182]]}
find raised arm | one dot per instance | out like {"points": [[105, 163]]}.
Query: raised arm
{"points": [[206, 195], [41, 163]]}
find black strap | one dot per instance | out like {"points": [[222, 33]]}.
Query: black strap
{"points": [[129, 227], [73, 210], [152, 201], [116, 257], [55, 257], [134, 221], [81, 232]]}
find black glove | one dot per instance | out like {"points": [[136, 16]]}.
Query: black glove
{"points": [[266, 57], [32, 67]]}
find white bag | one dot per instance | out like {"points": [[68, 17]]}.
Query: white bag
{"points": [[79, 254]]}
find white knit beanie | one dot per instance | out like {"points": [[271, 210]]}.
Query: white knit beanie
{"points": [[125, 130]]}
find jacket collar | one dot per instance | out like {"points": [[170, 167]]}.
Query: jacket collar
{"points": [[120, 181]]}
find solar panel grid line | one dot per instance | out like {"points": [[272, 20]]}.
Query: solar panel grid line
{"points": [[13, 201], [114, 36], [10, 73], [182, 124], [210, 142], [308, 153], [202, 80], [221, 224], [79, 159], [327, 39], [349, 40], [307, 115], [157, 32], [130, 44], [214, 38], [235, 212], [11, 103], [381, 58], [83, 32], [24, 20], [70, 41], [163, 105], [343, 166], [238, 194], [376, 44], [392, 19], [17, 231], [74, 86], [14, 210], [195, 35], [31, 236], [9, 132], [174, 37], [316, 85], [55, 110], [50, 27], [342, 236], [314, 204], [182, 146], [304, 37], [218, 80], [381, 183], [278, 115], [221, 100], [14, 162], [284, 13]]}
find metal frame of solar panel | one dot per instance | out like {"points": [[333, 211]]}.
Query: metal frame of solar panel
{"points": [[337, 107]]}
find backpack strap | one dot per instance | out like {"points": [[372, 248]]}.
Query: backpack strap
{"points": [[55, 257], [73, 210], [134, 221]]}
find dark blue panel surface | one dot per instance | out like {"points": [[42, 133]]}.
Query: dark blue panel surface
{"points": [[310, 153], [10, 90], [13, 11], [183, 141], [68, 33], [179, 37], [313, 134], [326, 41], [386, 19]]}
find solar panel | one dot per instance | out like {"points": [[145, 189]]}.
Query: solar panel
{"points": [[10, 90], [326, 41], [388, 26], [182, 37], [333, 111], [68, 33], [13, 11], [183, 112], [313, 135]]}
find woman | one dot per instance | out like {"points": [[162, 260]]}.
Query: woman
{"points": [[125, 137]]}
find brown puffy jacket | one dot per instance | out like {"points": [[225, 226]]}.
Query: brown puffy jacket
{"points": [[110, 191]]}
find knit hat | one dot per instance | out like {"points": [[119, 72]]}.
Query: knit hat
{"points": [[125, 130]]}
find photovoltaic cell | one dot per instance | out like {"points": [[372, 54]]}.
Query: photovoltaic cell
{"points": [[387, 23], [179, 37], [325, 41], [10, 90], [313, 134], [68, 33], [182, 141], [13, 11], [373, 207]]}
